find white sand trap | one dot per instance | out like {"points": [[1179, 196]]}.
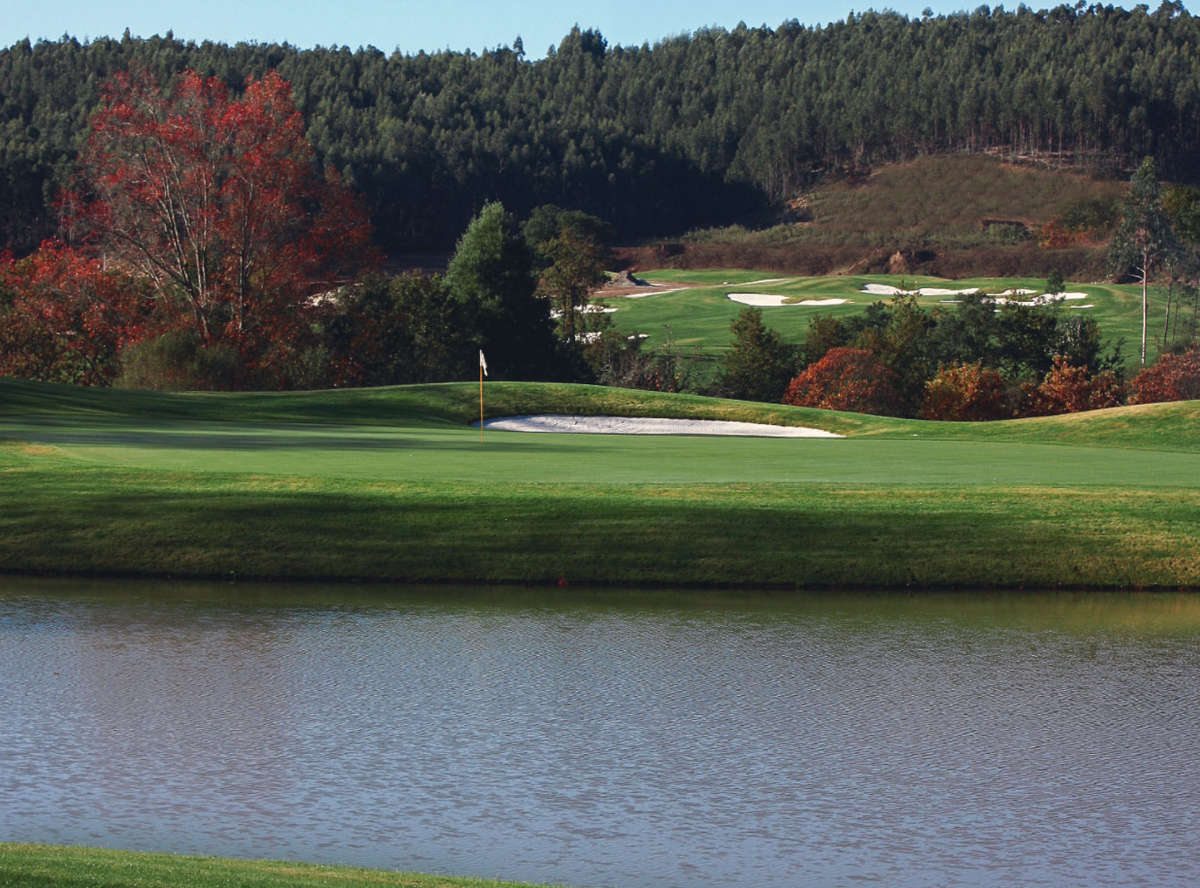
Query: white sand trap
{"points": [[630, 425], [584, 309], [888, 290], [1044, 299], [941, 291], [776, 299], [882, 290], [652, 293], [1005, 298]]}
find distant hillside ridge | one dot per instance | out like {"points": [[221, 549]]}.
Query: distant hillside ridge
{"points": [[944, 215], [696, 130]]}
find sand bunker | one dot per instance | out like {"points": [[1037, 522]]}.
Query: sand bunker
{"points": [[888, 290], [1044, 299], [584, 309], [643, 295], [629, 425], [1004, 298], [775, 299]]}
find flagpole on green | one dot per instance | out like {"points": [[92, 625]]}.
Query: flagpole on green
{"points": [[482, 373]]}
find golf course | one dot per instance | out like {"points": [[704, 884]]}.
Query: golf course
{"points": [[396, 484], [692, 309]]}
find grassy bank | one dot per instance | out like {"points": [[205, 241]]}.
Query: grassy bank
{"points": [[35, 866], [393, 484]]}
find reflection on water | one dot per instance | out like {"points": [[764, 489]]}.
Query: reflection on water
{"points": [[605, 739]]}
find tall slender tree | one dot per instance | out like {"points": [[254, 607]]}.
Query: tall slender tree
{"points": [[1144, 239]]}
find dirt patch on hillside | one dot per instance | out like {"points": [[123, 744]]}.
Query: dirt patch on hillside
{"points": [[1027, 260]]}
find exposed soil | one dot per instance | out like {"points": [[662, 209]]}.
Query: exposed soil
{"points": [[1077, 263]]}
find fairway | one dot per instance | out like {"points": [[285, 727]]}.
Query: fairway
{"points": [[396, 484], [439, 454], [698, 315]]}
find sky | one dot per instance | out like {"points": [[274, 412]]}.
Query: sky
{"points": [[410, 26]]}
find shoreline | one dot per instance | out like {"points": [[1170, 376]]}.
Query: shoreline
{"points": [[590, 586], [80, 865]]}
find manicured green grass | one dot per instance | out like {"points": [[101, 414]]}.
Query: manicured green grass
{"points": [[698, 318], [393, 484], [57, 866]]}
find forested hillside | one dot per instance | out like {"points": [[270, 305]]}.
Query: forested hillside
{"points": [[696, 130]]}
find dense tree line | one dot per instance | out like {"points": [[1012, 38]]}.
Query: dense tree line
{"points": [[693, 130]]}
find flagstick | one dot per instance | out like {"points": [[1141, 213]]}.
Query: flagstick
{"points": [[481, 402]]}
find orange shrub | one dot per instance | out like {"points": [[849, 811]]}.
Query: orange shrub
{"points": [[969, 392], [1172, 378], [845, 379], [1069, 389]]}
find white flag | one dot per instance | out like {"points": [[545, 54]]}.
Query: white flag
{"points": [[482, 363]]}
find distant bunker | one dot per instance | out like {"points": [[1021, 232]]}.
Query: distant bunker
{"points": [[634, 425]]}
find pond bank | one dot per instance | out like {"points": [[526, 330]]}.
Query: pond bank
{"points": [[66, 866]]}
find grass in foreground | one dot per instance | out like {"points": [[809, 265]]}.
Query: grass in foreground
{"points": [[391, 484], [35, 866]]}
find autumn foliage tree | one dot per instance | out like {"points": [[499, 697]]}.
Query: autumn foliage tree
{"points": [[967, 392], [845, 379], [1069, 388], [1172, 378], [216, 201], [64, 317]]}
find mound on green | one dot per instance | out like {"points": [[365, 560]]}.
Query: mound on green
{"points": [[35, 866], [393, 484]]}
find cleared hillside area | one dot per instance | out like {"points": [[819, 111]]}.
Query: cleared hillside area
{"points": [[949, 216]]}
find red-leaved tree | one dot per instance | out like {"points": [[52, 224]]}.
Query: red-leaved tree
{"points": [[1068, 388], [64, 317], [845, 379], [1172, 378], [217, 201], [967, 392]]}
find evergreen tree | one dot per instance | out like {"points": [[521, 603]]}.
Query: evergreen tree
{"points": [[491, 278], [760, 364]]}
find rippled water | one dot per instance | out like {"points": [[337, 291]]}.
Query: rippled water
{"points": [[908, 741]]}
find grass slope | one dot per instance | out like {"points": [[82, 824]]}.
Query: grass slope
{"points": [[393, 484], [43, 866]]}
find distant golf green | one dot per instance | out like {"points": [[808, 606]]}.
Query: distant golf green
{"points": [[698, 315], [395, 484]]}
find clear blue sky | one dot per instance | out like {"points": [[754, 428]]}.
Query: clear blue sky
{"points": [[410, 26]]}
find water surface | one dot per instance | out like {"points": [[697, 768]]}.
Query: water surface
{"points": [[609, 738]]}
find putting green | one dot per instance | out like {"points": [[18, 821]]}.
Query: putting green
{"points": [[421, 453], [395, 484]]}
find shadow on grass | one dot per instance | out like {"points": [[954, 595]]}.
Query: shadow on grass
{"points": [[281, 440], [538, 536]]}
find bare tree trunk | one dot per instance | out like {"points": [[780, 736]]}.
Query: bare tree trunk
{"points": [[1145, 275], [1167, 320]]}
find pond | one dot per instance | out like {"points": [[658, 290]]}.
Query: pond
{"points": [[610, 738]]}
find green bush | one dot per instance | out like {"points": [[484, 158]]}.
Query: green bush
{"points": [[176, 361]]}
